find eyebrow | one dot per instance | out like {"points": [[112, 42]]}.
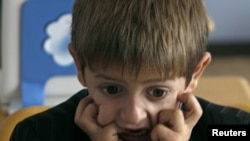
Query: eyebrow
{"points": [[154, 80], [102, 76]]}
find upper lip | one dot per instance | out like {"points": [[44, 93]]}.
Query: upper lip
{"points": [[134, 131]]}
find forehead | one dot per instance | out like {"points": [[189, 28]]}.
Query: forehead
{"points": [[143, 74]]}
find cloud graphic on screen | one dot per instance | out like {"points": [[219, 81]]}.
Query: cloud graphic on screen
{"points": [[58, 39]]}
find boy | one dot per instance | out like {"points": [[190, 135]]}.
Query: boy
{"points": [[140, 61]]}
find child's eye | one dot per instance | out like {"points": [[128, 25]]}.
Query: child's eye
{"points": [[157, 93], [112, 89]]}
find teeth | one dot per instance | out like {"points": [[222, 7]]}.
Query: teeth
{"points": [[137, 133]]}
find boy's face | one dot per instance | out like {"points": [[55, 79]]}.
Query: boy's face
{"points": [[131, 103]]}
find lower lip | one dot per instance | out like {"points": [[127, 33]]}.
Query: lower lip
{"points": [[145, 137]]}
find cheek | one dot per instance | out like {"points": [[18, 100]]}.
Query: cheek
{"points": [[106, 111], [157, 108], [106, 114], [154, 109], [169, 103]]}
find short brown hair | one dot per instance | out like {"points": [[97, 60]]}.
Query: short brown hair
{"points": [[168, 35]]}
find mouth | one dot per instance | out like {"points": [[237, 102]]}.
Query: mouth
{"points": [[136, 135]]}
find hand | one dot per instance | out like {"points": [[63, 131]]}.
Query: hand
{"points": [[86, 119], [177, 125]]}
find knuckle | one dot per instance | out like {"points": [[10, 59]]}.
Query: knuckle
{"points": [[178, 113], [156, 130]]}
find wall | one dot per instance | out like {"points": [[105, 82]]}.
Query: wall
{"points": [[232, 20], [232, 33], [10, 49]]}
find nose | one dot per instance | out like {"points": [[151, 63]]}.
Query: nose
{"points": [[133, 113]]}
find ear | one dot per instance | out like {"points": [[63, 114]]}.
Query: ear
{"points": [[204, 62], [79, 68]]}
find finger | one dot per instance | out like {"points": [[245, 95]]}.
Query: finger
{"points": [[110, 132], [88, 119], [192, 109], [81, 107], [172, 119], [161, 133]]}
